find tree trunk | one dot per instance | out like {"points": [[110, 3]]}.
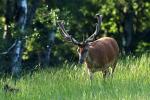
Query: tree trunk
{"points": [[49, 46], [17, 51], [9, 13], [128, 32], [16, 57], [47, 55], [21, 17], [44, 56], [31, 12]]}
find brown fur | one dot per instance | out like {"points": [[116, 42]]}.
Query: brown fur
{"points": [[102, 54]]}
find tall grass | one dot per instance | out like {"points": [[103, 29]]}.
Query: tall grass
{"points": [[131, 81]]}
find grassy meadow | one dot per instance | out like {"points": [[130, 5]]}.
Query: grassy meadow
{"points": [[131, 81]]}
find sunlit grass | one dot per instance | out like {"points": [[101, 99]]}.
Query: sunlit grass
{"points": [[131, 81]]}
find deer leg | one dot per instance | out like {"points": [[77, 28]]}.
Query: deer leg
{"points": [[113, 67], [106, 73], [89, 71], [90, 74]]}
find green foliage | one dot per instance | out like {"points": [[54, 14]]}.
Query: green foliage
{"points": [[131, 81], [2, 7], [44, 22], [143, 47], [2, 20], [78, 16]]}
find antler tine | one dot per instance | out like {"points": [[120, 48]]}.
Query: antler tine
{"points": [[93, 36], [66, 35], [99, 18], [63, 31]]}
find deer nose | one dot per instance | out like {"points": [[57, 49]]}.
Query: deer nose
{"points": [[81, 61]]}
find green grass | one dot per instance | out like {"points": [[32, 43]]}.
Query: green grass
{"points": [[131, 81]]}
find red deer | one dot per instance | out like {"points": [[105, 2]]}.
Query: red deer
{"points": [[98, 54]]}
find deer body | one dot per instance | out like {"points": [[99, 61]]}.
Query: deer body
{"points": [[99, 54], [102, 54]]}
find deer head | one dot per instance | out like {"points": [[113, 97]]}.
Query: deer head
{"points": [[82, 46]]}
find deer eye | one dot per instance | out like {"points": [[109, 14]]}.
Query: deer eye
{"points": [[85, 50]]}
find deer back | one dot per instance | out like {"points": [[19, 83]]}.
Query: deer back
{"points": [[102, 51]]}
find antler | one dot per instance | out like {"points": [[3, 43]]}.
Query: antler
{"points": [[93, 36], [74, 41], [66, 35]]}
